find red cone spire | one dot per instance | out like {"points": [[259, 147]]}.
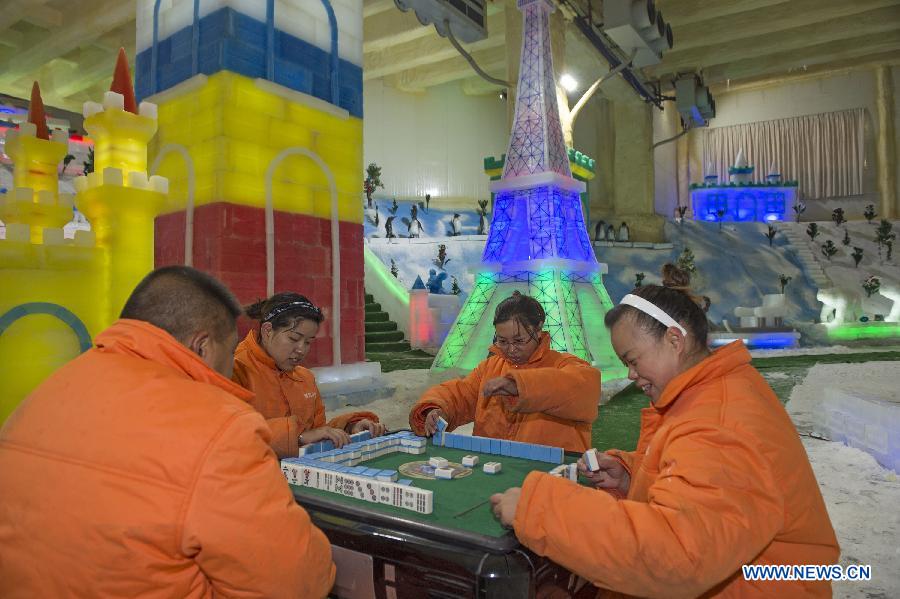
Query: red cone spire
{"points": [[122, 82], [36, 112]]}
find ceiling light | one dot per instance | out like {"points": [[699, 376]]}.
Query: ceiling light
{"points": [[568, 82]]}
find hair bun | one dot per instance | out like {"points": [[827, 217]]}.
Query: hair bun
{"points": [[254, 311], [675, 278]]}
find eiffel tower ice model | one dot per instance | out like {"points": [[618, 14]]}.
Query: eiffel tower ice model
{"points": [[538, 243]]}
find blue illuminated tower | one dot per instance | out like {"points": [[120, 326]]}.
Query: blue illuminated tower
{"points": [[538, 243]]}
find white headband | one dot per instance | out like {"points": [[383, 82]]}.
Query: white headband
{"points": [[653, 310]]}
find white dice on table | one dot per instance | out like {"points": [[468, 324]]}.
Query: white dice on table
{"points": [[438, 462], [445, 473], [470, 461]]}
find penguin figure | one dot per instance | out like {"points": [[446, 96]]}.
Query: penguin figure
{"points": [[600, 230], [610, 233], [623, 232], [389, 227], [482, 224], [456, 225], [415, 228]]}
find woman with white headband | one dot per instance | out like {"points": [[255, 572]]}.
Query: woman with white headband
{"points": [[719, 478]]}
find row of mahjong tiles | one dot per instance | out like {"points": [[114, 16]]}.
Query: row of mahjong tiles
{"points": [[502, 447], [337, 470]]}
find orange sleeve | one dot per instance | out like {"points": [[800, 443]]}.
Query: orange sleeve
{"points": [[345, 422], [569, 390], [713, 507], [457, 398], [243, 527], [285, 434], [285, 429]]}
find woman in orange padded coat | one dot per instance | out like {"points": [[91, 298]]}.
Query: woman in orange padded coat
{"points": [[268, 362], [524, 391], [719, 478]]}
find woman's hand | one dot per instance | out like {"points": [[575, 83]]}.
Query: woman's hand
{"points": [[500, 385], [323, 433], [612, 474], [504, 505], [376, 428], [431, 420]]}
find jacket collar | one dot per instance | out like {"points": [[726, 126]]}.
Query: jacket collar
{"points": [[538, 355], [260, 355], [718, 364], [143, 340]]}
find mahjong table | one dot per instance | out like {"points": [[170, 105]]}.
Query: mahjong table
{"points": [[458, 550]]}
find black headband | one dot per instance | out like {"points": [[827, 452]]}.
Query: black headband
{"points": [[301, 305]]}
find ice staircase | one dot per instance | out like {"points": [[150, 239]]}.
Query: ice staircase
{"points": [[385, 343], [796, 235], [382, 334]]}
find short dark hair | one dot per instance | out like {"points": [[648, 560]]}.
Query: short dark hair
{"points": [[181, 301], [284, 310], [524, 309], [673, 297]]}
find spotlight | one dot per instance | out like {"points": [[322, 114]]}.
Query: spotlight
{"points": [[568, 82]]}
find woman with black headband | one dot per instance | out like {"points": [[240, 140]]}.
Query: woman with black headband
{"points": [[268, 362], [719, 478]]}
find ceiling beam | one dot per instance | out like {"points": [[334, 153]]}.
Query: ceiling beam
{"points": [[678, 12], [373, 7], [421, 78], [86, 26], [727, 29], [11, 38], [871, 23], [868, 61], [36, 13], [793, 60], [429, 50], [385, 29]]}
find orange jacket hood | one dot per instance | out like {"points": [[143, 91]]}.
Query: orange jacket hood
{"points": [[143, 340]]}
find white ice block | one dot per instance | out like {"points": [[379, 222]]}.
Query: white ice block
{"points": [[492, 467], [470, 461], [438, 462]]}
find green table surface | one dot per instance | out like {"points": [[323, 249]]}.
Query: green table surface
{"points": [[450, 496]]}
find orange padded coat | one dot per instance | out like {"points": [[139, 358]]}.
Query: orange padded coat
{"points": [[135, 471], [719, 479], [289, 401], [557, 401]]}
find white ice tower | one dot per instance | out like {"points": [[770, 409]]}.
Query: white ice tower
{"points": [[538, 243]]}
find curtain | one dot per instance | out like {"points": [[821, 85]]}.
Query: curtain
{"points": [[825, 152]]}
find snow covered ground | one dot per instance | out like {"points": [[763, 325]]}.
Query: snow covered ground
{"points": [[841, 268]]}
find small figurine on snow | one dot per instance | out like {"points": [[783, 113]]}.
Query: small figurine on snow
{"points": [[623, 232], [389, 227], [610, 233], [455, 225], [435, 282], [600, 230], [414, 228]]}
